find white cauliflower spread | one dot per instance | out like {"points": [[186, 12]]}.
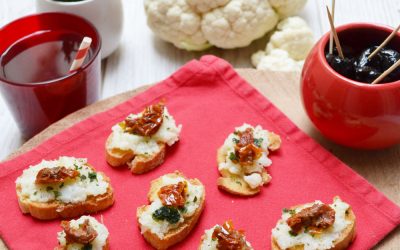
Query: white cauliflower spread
{"points": [[97, 244], [325, 240], [288, 47], [200, 24], [160, 227], [251, 173], [145, 145], [72, 190]]}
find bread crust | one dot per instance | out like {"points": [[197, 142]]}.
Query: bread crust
{"points": [[178, 234], [235, 184], [105, 247], [346, 237], [56, 209], [140, 164]]}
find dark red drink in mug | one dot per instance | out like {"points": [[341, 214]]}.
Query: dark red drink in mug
{"points": [[36, 53]]}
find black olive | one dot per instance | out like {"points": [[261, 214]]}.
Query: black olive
{"points": [[167, 213], [368, 70], [342, 66]]}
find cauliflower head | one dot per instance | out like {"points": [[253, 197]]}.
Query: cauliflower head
{"points": [[238, 23], [277, 60], [291, 44], [203, 6], [174, 21], [286, 8], [200, 24]]}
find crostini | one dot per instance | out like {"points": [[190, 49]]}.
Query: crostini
{"points": [[63, 188], [315, 226], [242, 160], [140, 141], [224, 237], [176, 204], [83, 234]]}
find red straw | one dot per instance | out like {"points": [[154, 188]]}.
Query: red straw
{"points": [[82, 53]]}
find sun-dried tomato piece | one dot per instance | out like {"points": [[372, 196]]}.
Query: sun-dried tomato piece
{"points": [[55, 175], [83, 235], [229, 238], [246, 151], [315, 218], [174, 194], [148, 123]]}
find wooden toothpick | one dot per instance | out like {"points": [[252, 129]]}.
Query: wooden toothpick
{"points": [[331, 35], [387, 40], [335, 36], [387, 72]]}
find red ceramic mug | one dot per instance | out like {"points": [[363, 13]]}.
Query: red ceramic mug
{"points": [[35, 56], [348, 112]]}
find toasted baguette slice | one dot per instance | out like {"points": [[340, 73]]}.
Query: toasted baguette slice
{"points": [[236, 185], [137, 164], [101, 241], [345, 239], [57, 209], [137, 151], [177, 234]]}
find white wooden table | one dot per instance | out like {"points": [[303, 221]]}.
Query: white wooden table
{"points": [[143, 59]]}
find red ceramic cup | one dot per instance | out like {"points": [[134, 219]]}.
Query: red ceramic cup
{"points": [[35, 88], [348, 112]]}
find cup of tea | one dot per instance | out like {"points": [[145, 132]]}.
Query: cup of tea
{"points": [[36, 53]]}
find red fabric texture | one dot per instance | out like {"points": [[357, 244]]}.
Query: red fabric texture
{"points": [[209, 99]]}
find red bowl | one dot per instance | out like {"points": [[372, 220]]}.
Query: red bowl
{"points": [[348, 112]]}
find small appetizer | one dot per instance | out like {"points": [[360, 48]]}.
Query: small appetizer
{"points": [[63, 188], [315, 226], [224, 237], [176, 204], [243, 157], [140, 140], [83, 234]]}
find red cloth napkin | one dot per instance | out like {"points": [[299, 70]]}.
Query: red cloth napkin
{"points": [[209, 99]]}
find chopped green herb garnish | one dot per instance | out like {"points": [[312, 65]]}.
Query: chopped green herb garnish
{"points": [[35, 193], [83, 177], [195, 199], [233, 157], [292, 233], [169, 214], [167, 117], [258, 142], [92, 176], [87, 247], [168, 128], [290, 211], [235, 132], [235, 140], [238, 182], [306, 230], [56, 193], [48, 188], [183, 209], [61, 185]]}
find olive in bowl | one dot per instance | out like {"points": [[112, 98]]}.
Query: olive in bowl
{"points": [[348, 111]]}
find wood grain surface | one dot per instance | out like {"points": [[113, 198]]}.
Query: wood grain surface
{"points": [[381, 168]]}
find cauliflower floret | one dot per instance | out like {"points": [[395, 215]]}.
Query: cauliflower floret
{"points": [[238, 23], [287, 8], [287, 48], [276, 60], [176, 22], [294, 36], [203, 6]]}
